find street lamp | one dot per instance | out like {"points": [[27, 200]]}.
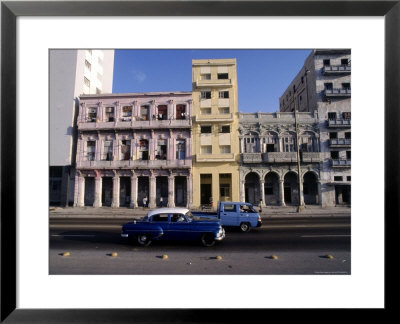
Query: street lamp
{"points": [[300, 206]]}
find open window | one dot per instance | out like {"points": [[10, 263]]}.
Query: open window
{"points": [[90, 150], [181, 112], [144, 113], [161, 153], [92, 115], [180, 149], [162, 112], [143, 150], [126, 113], [125, 150], [109, 114], [108, 148]]}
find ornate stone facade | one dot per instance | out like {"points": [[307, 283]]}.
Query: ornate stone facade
{"points": [[268, 161], [134, 146]]}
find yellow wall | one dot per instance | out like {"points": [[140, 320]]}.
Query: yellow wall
{"points": [[217, 163]]}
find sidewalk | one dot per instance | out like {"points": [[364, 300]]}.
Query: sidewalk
{"points": [[128, 213]]}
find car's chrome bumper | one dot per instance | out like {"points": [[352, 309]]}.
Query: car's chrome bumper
{"points": [[220, 236], [124, 235]]}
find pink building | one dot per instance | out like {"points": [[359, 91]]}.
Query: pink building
{"points": [[134, 146]]}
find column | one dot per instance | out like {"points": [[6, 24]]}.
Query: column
{"points": [[242, 191], [262, 190], [171, 191], [115, 199], [134, 188], [98, 184], [171, 110], [152, 195], [319, 198], [189, 191], [282, 193]]}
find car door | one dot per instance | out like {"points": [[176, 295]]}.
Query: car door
{"points": [[162, 221], [179, 227], [229, 215]]}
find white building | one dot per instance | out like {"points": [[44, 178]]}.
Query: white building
{"points": [[72, 73]]}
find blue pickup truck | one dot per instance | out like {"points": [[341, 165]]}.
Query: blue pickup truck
{"points": [[173, 224], [237, 214]]}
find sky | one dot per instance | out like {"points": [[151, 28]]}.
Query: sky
{"points": [[263, 75]]}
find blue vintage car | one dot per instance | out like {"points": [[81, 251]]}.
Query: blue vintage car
{"points": [[173, 224]]}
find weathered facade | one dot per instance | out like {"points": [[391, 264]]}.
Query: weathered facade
{"points": [[215, 137], [268, 160], [134, 146], [324, 85]]}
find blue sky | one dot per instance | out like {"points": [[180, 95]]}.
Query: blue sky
{"points": [[263, 75]]}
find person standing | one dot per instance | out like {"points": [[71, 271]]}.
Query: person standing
{"points": [[161, 202], [145, 201]]}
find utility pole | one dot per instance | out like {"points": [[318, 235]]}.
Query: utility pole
{"points": [[300, 206]]}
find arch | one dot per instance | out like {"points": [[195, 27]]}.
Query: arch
{"points": [[310, 188], [291, 187], [252, 188], [271, 188]]}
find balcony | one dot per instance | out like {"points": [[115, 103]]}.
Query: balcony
{"points": [[291, 157], [136, 124], [214, 83], [251, 157], [339, 123], [340, 142], [337, 93], [341, 163], [135, 164], [227, 157], [280, 157], [214, 118], [336, 70]]}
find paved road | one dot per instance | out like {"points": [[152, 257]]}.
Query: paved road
{"points": [[300, 245]]}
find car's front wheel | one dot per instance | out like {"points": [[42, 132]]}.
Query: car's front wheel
{"points": [[245, 227], [207, 239], [144, 239]]}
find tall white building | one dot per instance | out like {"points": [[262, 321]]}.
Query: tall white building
{"points": [[72, 73]]}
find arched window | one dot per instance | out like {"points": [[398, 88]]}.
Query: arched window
{"points": [[308, 142], [288, 142], [251, 143]]}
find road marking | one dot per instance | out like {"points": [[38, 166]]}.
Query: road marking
{"points": [[327, 235], [73, 235]]}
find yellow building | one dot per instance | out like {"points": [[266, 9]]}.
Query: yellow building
{"points": [[215, 131]]}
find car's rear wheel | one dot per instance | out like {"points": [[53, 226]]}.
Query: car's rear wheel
{"points": [[245, 227], [144, 239], [207, 239]]}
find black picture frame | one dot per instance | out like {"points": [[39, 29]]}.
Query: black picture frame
{"points": [[10, 10]]}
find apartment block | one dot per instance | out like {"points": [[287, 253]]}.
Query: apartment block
{"points": [[134, 149], [215, 137], [324, 85], [72, 73]]}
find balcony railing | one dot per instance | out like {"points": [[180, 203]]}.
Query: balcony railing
{"points": [[340, 142], [137, 124], [336, 69], [279, 157], [223, 157], [330, 93], [252, 157], [339, 122], [214, 118], [340, 163], [137, 164], [291, 157], [214, 83]]}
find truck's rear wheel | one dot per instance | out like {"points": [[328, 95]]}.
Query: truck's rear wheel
{"points": [[245, 227], [207, 239], [144, 239]]}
